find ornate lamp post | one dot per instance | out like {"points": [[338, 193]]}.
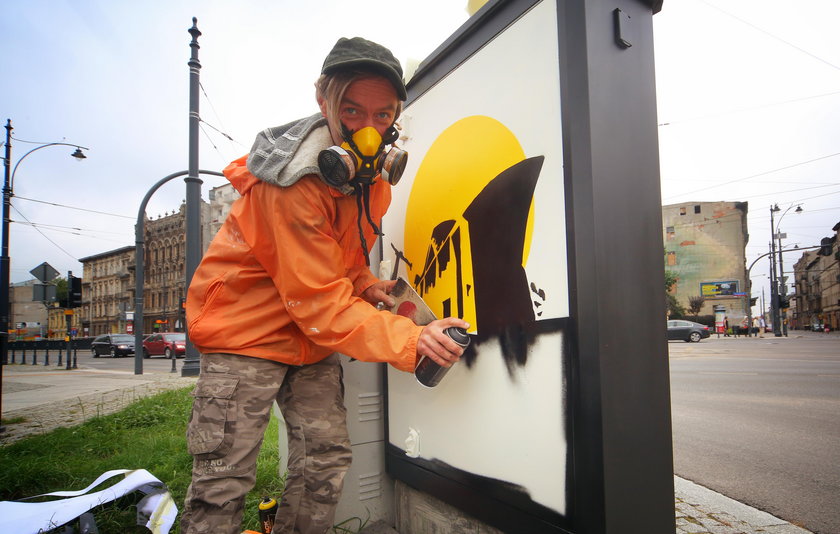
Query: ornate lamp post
{"points": [[5, 261], [782, 286], [8, 192], [774, 288]]}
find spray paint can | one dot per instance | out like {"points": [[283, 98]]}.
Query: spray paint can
{"points": [[267, 507], [427, 371]]}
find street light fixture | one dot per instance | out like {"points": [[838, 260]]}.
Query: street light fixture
{"points": [[780, 313], [5, 262], [8, 193]]}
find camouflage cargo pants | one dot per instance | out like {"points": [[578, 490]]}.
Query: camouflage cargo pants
{"points": [[231, 409]]}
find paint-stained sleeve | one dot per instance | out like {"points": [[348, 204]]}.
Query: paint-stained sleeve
{"points": [[362, 279], [292, 236]]}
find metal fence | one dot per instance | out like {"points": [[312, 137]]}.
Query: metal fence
{"points": [[30, 351]]}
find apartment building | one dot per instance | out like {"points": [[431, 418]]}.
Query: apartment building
{"points": [[817, 281], [107, 292]]}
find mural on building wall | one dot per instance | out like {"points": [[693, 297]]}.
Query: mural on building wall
{"points": [[477, 226]]}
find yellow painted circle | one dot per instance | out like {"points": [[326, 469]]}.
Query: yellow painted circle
{"points": [[459, 164]]}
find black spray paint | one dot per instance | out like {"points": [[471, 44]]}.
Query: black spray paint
{"points": [[497, 217]]}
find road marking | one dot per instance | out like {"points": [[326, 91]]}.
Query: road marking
{"points": [[747, 359], [724, 373]]}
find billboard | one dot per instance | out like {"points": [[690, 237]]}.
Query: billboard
{"points": [[478, 228], [727, 288]]}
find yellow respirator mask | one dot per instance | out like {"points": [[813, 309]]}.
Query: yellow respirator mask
{"points": [[362, 157]]}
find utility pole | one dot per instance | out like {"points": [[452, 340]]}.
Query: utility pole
{"points": [[774, 281], [782, 287], [191, 364], [5, 263]]}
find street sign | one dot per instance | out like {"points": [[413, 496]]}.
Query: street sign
{"points": [[43, 292], [44, 272]]}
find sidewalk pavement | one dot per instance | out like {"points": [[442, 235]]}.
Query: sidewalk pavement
{"points": [[792, 334], [52, 397]]}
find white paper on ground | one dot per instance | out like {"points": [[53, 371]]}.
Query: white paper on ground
{"points": [[156, 511]]}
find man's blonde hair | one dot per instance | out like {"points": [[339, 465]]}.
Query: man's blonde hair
{"points": [[331, 88]]}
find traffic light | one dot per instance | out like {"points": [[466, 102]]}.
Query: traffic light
{"points": [[825, 246], [74, 292], [783, 302]]}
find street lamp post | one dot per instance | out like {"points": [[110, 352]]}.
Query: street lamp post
{"points": [[782, 286], [8, 193], [194, 250], [5, 261], [774, 288]]}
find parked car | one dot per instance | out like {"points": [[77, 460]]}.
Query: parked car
{"points": [[688, 331], [114, 344], [166, 343]]}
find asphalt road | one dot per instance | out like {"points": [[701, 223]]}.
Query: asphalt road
{"points": [[759, 421]]}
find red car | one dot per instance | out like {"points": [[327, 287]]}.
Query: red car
{"points": [[166, 343]]}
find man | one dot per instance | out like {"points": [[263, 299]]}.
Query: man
{"points": [[285, 286]]}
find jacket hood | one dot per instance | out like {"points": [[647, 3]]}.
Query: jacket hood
{"points": [[282, 155]]}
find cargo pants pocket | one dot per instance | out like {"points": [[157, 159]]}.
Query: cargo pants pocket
{"points": [[210, 433]]}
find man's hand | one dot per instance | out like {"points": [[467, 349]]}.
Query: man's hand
{"points": [[379, 292], [435, 344]]}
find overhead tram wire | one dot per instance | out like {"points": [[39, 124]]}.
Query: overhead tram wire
{"points": [[73, 207], [745, 110], [68, 229], [45, 235], [751, 25], [775, 193], [99, 239], [210, 140], [756, 175], [218, 117]]}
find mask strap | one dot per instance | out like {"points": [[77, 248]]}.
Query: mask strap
{"points": [[357, 188], [366, 192], [391, 136], [362, 192]]}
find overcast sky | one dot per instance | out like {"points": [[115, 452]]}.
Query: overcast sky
{"points": [[748, 90]]}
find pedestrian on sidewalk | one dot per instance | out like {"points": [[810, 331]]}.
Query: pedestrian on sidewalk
{"points": [[285, 286]]}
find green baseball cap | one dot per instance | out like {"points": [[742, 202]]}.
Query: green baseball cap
{"points": [[358, 52]]}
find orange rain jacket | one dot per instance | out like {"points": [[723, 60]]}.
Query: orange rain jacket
{"points": [[282, 278]]}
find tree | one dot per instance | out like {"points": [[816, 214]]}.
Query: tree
{"points": [[60, 289], [672, 306], [695, 304]]}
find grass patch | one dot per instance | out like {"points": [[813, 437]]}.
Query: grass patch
{"points": [[13, 420], [148, 434]]}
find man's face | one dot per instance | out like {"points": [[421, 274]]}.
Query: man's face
{"points": [[370, 101]]}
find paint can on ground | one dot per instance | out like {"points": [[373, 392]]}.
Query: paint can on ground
{"points": [[267, 508], [427, 372]]}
